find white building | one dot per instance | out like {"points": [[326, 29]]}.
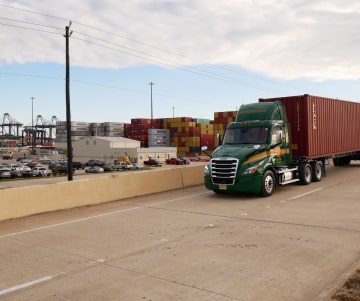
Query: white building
{"points": [[108, 149]]}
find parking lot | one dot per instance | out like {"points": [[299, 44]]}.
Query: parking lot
{"points": [[77, 175], [191, 244]]}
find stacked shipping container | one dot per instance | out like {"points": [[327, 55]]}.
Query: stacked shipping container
{"points": [[138, 130], [95, 129], [186, 133], [158, 137], [83, 129], [78, 130], [221, 119], [112, 129]]}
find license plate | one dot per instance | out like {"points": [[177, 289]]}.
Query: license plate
{"points": [[222, 186]]}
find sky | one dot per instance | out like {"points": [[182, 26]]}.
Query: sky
{"points": [[202, 56]]}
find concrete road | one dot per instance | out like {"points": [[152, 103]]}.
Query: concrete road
{"points": [[191, 244]]}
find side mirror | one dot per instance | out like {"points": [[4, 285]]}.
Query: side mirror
{"points": [[218, 137], [279, 137]]}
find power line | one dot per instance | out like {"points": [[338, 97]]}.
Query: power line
{"points": [[33, 12], [148, 57], [197, 61], [144, 55], [169, 63], [166, 62], [29, 23], [29, 28], [111, 87]]}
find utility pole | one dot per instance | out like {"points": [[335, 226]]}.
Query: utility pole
{"points": [[151, 85], [173, 111], [68, 114], [32, 123]]}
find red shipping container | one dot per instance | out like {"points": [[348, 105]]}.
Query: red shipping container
{"points": [[194, 131], [206, 139], [321, 127]]}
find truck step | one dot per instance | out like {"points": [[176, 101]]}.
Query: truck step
{"points": [[289, 181]]}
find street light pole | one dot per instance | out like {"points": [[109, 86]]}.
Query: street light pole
{"points": [[151, 85], [32, 122]]}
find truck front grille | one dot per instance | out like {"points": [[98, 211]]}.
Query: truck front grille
{"points": [[223, 170]]}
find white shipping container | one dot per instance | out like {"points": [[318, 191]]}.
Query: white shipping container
{"points": [[158, 131]]}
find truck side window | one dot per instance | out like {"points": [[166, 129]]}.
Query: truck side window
{"points": [[262, 134]]}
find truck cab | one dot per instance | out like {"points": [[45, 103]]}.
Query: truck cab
{"points": [[255, 154]]}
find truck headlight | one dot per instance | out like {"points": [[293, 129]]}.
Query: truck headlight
{"points": [[206, 170], [250, 170]]}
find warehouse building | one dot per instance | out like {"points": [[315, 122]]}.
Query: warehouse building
{"points": [[109, 149]]}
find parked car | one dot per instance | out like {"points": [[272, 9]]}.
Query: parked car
{"points": [[53, 164], [94, 169], [24, 161], [33, 164], [26, 171], [62, 169], [62, 161], [185, 160], [175, 161], [136, 166], [44, 160], [15, 170], [40, 171], [5, 172], [95, 163], [204, 158], [108, 167], [121, 165], [16, 173], [78, 165], [153, 162], [21, 159]]}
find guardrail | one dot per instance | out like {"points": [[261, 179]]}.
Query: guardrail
{"points": [[25, 201]]}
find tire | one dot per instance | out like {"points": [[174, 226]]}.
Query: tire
{"points": [[267, 184], [305, 173], [336, 162], [317, 171], [341, 161]]}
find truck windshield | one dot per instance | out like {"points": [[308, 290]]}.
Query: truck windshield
{"points": [[246, 135]]}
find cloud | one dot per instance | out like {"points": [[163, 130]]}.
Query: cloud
{"points": [[288, 39]]}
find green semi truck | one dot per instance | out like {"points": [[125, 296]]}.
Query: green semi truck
{"points": [[279, 141]]}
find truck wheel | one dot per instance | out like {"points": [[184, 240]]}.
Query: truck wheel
{"points": [[336, 162], [317, 171], [342, 161], [267, 184], [305, 173]]}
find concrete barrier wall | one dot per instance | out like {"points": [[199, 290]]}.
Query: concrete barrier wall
{"points": [[25, 201]]}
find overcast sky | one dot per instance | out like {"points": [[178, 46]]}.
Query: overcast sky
{"points": [[203, 56]]}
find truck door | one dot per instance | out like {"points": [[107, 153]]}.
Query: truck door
{"points": [[279, 145]]}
